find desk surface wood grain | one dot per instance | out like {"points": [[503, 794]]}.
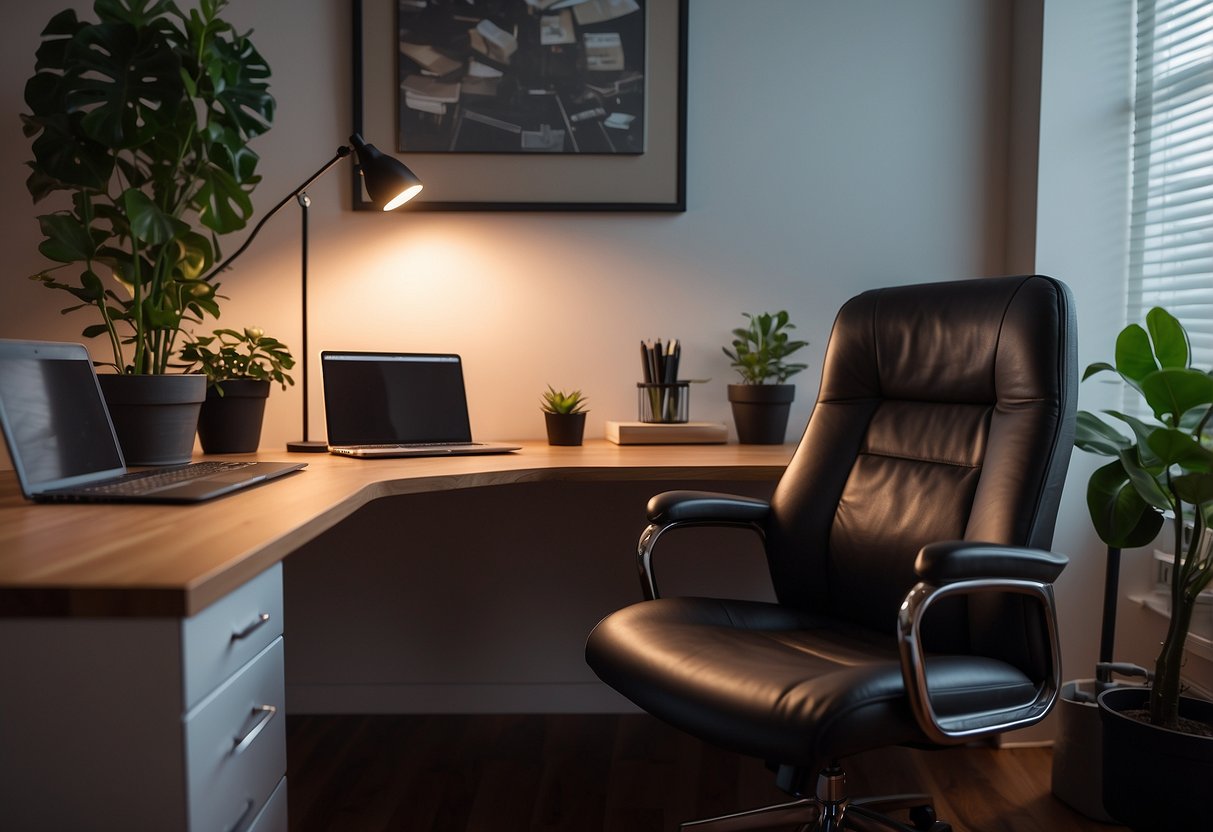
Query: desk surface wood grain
{"points": [[161, 560]]}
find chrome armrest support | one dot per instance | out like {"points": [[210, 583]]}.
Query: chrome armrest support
{"points": [[682, 509], [954, 729]]}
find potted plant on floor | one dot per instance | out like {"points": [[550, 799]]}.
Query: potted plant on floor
{"points": [[1156, 740], [762, 401], [564, 415], [144, 118], [239, 368]]}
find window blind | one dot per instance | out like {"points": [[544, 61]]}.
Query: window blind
{"points": [[1171, 216]]}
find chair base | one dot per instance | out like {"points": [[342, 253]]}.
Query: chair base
{"points": [[830, 810]]}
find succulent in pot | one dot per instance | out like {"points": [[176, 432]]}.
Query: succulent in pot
{"points": [[564, 416]]}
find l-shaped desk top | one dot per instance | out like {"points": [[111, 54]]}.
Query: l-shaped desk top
{"points": [[113, 560]]}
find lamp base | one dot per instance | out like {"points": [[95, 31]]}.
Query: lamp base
{"points": [[307, 446]]}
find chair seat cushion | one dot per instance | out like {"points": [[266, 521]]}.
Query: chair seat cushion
{"points": [[789, 686]]}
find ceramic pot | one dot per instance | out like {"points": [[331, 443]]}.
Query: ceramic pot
{"points": [[1154, 780], [155, 416], [231, 423], [565, 428], [760, 412]]}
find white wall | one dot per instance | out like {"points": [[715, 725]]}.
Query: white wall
{"points": [[832, 147]]}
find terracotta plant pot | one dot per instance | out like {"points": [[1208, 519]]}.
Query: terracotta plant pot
{"points": [[760, 412], [231, 423], [155, 416], [565, 428]]}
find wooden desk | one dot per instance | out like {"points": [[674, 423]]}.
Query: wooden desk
{"points": [[153, 560], [111, 690]]}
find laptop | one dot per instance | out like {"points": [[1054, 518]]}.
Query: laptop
{"points": [[380, 404], [63, 444]]}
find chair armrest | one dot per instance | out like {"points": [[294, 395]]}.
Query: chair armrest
{"points": [[958, 560], [676, 509], [705, 506], [958, 568]]}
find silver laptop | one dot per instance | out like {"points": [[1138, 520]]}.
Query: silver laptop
{"points": [[398, 404], [63, 444]]}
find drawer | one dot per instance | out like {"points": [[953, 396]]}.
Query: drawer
{"points": [[273, 817], [223, 637], [235, 746]]}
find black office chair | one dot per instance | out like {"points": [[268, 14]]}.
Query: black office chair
{"points": [[906, 543]]}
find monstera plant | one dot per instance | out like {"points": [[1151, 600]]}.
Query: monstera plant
{"points": [[143, 120]]}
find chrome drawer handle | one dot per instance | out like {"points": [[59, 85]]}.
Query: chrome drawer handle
{"points": [[241, 744], [251, 628]]}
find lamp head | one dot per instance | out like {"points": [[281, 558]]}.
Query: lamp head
{"points": [[388, 182]]}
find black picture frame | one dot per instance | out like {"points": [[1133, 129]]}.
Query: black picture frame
{"points": [[652, 181]]}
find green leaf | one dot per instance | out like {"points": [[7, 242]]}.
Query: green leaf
{"points": [[1170, 339], [1174, 447], [1172, 392], [1144, 482], [127, 83], [1195, 488], [1097, 367], [1121, 518], [1134, 355], [1095, 436], [149, 224], [67, 241], [223, 205]]}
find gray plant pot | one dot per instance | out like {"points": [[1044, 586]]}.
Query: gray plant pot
{"points": [[155, 416], [231, 423], [760, 412]]}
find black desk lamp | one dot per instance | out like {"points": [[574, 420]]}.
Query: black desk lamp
{"points": [[388, 183]]}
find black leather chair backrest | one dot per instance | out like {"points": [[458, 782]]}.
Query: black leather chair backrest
{"points": [[946, 412]]}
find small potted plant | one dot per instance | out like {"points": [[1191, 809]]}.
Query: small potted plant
{"points": [[239, 368], [564, 414], [1154, 739], [762, 401]]}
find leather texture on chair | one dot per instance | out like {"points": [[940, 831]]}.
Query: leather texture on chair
{"points": [[946, 413]]}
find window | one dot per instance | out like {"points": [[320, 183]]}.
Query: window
{"points": [[1171, 218]]}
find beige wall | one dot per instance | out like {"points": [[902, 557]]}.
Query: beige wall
{"points": [[832, 147]]}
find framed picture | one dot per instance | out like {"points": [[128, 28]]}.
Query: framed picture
{"points": [[526, 105]]}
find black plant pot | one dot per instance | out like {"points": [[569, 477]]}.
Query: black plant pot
{"points": [[1154, 780], [231, 423], [155, 416], [760, 412], [565, 428]]}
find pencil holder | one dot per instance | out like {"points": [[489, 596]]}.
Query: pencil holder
{"points": [[663, 402]]}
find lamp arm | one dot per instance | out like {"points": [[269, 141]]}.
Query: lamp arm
{"points": [[342, 152]]}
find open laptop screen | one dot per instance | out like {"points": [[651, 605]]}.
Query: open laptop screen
{"points": [[55, 419], [384, 398]]}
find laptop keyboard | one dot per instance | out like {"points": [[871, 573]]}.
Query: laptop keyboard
{"points": [[144, 482]]}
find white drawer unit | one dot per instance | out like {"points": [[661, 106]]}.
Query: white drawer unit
{"points": [[235, 745], [166, 724], [223, 637]]}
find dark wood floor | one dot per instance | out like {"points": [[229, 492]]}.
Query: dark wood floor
{"points": [[617, 773]]}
